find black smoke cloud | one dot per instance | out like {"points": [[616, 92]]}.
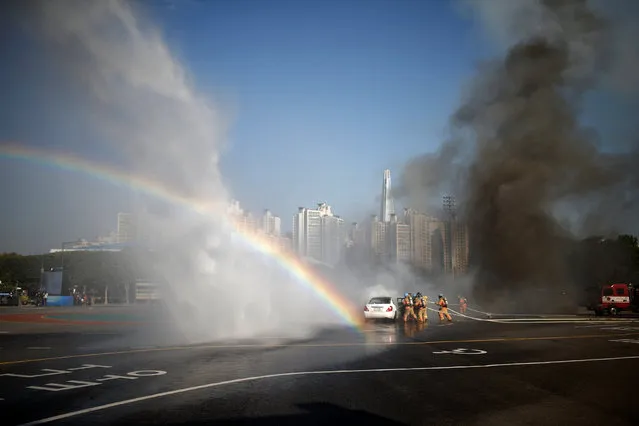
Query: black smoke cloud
{"points": [[529, 178]]}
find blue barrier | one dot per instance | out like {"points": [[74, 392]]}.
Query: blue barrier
{"points": [[60, 301]]}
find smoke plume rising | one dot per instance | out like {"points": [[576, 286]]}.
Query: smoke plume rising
{"points": [[142, 100], [518, 159]]}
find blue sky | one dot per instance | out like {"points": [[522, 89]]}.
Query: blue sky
{"points": [[328, 93], [325, 94]]}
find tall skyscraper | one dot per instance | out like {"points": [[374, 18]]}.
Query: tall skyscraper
{"points": [[388, 207]]}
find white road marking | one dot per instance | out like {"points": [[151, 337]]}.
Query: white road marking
{"points": [[463, 351], [49, 372], [38, 348], [147, 373], [625, 340], [318, 372], [588, 326], [547, 320], [102, 333], [621, 328], [114, 377], [57, 387], [75, 384], [53, 372], [86, 366], [518, 314]]}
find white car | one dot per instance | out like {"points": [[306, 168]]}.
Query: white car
{"points": [[380, 308]]}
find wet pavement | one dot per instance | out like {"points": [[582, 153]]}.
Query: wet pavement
{"points": [[472, 372]]}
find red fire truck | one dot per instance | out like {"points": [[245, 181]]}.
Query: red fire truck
{"points": [[616, 298]]}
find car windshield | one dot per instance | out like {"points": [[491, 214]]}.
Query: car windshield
{"points": [[380, 301], [607, 291]]}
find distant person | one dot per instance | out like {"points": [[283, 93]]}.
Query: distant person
{"points": [[443, 309], [463, 304], [45, 296]]}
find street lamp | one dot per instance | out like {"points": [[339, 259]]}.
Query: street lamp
{"points": [[63, 245]]}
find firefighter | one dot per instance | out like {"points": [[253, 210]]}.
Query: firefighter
{"points": [[425, 300], [443, 309], [408, 307], [419, 307], [463, 304]]}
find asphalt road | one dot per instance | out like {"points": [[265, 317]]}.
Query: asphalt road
{"points": [[567, 371]]}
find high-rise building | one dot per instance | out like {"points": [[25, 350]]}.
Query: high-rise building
{"points": [[357, 235], [307, 233], [426, 241], [313, 234], [388, 207], [449, 205], [318, 234], [277, 226], [398, 241], [333, 239], [456, 247], [243, 221], [298, 232], [127, 228], [271, 224], [378, 241], [357, 249], [459, 247]]}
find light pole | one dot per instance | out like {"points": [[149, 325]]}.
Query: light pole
{"points": [[63, 246]]}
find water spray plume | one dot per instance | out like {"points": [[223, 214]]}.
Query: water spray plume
{"points": [[521, 163], [222, 283]]}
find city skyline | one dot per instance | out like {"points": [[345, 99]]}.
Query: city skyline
{"points": [[429, 242], [381, 99]]}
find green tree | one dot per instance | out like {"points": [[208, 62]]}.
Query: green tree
{"points": [[631, 244], [109, 274], [16, 269]]}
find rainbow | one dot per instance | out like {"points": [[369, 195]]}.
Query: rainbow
{"points": [[303, 273]]}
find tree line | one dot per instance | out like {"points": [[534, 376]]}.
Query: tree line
{"points": [[101, 274], [595, 261]]}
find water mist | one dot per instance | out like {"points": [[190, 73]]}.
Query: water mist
{"points": [[143, 101]]}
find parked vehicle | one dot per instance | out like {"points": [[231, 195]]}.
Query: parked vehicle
{"points": [[381, 308], [616, 298]]}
